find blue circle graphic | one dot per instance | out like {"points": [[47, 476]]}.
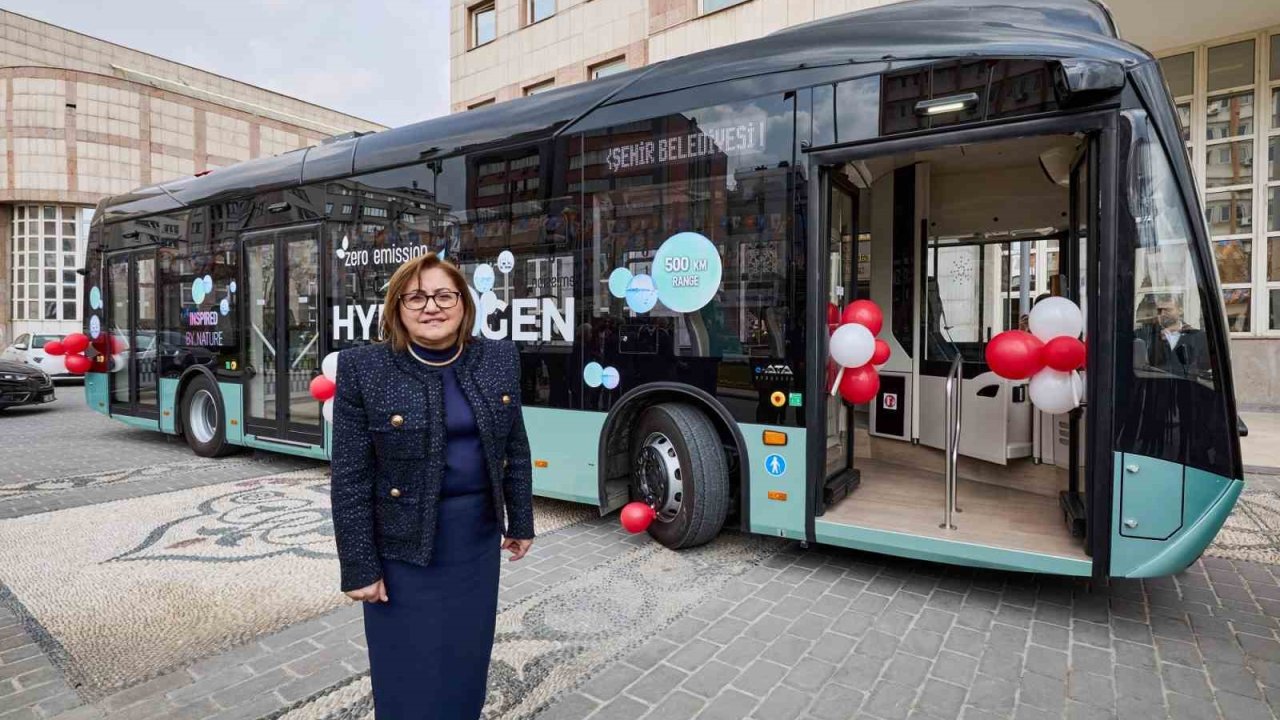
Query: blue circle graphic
{"points": [[619, 279], [610, 377], [197, 291], [642, 295], [687, 271], [593, 374], [483, 277], [225, 306], [95, 298], [775, 465], [95, 326], [208, 284], [232, 287]]}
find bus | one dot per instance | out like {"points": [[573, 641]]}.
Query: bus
{"points": [[672, 247]]}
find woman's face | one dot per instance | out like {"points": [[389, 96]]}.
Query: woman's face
{"points": [[429, 324]]}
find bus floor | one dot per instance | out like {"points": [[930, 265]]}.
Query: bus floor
{"points": [[911, 500]]}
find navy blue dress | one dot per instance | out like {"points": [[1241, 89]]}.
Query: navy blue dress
{"points": [[429, 644]]}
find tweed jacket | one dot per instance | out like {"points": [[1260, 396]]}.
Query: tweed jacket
{"points": [[389, 451]]}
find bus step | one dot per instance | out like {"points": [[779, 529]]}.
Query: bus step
{"points": [[839, 487], [1074, 512]]}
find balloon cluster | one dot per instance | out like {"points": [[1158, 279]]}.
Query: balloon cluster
{"points": [[325, 385], [856, 350], [73, 346], [1050, 355]]}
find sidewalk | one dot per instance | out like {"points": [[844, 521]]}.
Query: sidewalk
{"points": [[1261, 449]]}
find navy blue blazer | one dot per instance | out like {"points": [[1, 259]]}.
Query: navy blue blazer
{"points": [[389, 451]]}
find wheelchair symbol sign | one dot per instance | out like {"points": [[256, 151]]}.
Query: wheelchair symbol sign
{"points": [[775, 465]]}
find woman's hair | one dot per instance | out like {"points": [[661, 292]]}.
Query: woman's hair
{"points": [[392, 330]]}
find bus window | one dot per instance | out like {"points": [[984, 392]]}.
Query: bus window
{"points": [[1175, 409], [654, 193]]}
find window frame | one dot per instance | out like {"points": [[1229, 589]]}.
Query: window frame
{"points": [[703, 9], [529, 16], [1260, 185], [538, 88], [473, 29], [621, 60]]}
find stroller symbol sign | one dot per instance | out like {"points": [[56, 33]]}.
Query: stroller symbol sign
{"points": [[775, 465]]}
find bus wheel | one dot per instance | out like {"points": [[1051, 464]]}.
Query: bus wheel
{"points": [[679, 468], [203, 419]]}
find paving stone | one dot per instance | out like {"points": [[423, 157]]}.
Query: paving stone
{"points": [[832, 648], [1042, 692], [1186, 681], [608, 684], [809, 674], [992, 694], [725, 630], [787, 650], [859, 671], [760, 677], [657, 683], [710, 679], [836, 702], [623, 708], [573, 706], [651, 653], [890, 700], [783, 703], [878, 645], [942, 699], [679, 705], [729, 705]]}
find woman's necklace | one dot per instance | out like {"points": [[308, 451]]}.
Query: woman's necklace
{"points": [[424, 361]]}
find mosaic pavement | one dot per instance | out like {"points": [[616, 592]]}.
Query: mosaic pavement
{"points": [[136, 587], [115, 477], [555, 639], [1253, 530]]}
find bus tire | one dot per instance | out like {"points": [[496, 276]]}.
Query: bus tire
{"points": [[203, 418], [679, 465]]}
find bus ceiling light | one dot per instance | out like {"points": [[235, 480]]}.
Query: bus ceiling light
{"points": [[278, 207], [948, 104]]}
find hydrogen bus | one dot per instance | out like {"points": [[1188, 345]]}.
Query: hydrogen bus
{"points": [[671, 247]]}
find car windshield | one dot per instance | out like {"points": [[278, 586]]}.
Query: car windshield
{"points": [[40, 340]]}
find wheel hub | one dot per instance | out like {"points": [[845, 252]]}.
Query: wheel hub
{"points": [[657, 477], [202, 420]]}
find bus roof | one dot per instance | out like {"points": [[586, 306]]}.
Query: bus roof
{"points": [[915, 30]]}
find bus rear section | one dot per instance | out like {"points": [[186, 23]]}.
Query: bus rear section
{"points": [[1130, 469]]}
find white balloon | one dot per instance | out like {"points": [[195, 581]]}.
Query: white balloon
{"points": [[1054, 391], [852, 345], [1056, 316], [329, 366], [327, 410]]}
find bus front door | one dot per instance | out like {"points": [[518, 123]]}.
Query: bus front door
{"points": [[282, 328], [131, 324]]}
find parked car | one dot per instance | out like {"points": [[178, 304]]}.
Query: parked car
{"points": [[23, 384], [28, 348]]}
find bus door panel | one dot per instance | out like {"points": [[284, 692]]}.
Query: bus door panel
{"points": [[131, 290], [283, 328]]}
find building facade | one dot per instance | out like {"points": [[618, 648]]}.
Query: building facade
{"points": [[83, 119], [1222, 62]]}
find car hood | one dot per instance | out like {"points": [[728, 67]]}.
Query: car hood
{"points": [[8, 366]]}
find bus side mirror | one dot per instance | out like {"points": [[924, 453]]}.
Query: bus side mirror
{"points": [[1241, 429]]}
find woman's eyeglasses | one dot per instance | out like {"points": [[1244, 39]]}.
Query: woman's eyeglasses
{"points": [[445, 299]]}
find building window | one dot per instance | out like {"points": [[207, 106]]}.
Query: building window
{"points": [[540, 10], [481, 104], [608, 67], [1230, 113], [539, 88], [710, 6], [484, 25], [46, 252]]}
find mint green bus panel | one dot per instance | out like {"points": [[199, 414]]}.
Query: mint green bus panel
{"points": [[95, 392], [567, 440], [168, 405], [942, 550], [1150, 497], [782, 516], [1200, 500], [233, 406]]}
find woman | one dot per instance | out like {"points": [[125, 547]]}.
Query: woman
{"points": [[429, 455]]}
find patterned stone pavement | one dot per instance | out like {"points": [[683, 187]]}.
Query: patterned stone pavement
{"points": [[597, 624]]}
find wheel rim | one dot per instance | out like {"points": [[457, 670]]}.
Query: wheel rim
{"points": [[202, 417], [658, 478]]}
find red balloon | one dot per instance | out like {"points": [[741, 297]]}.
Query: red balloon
{"points": [[54, 347], [1063, 353], [78, 364], [881, 354], [860, 384], [636, 516], [75, 342], [1015, 355], [322, 388], [833, 317], [864, 312]]}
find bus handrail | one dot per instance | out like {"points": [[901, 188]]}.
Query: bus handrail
{"points": [[954, 378], [263, 338]]}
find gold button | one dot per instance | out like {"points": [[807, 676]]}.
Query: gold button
{"points": [[395, 492], [397, 420], [506, 399]]}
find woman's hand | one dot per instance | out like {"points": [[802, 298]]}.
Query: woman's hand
{"points": [[376, 592], [518, 548]]}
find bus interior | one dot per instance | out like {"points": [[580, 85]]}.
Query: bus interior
{"points": [[955, 245]]}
